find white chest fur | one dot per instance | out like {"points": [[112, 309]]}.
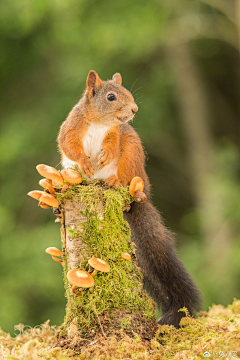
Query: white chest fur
{"points": [[92, 142], [92, 145]]}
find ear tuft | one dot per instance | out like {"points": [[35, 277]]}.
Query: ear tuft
{"points": [[117, 78], [93, 82]]}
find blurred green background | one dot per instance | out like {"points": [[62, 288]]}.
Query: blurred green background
{"points": [[181, 60]]}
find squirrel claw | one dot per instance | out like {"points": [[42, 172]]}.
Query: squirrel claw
{"points": [[113, 181], [124, 183], [86, 166], [104, 158]]}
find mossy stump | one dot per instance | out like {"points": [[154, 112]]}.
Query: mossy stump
{"points": [[93, 226]]}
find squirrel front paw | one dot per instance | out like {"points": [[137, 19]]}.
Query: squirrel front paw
{"points": [[86, 166], [104, 158], [113, 181]]}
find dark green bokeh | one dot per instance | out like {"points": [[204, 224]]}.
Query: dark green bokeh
{"points": [[46, 51]]}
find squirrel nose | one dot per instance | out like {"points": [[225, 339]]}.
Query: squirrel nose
{"points": [[134, 109]]}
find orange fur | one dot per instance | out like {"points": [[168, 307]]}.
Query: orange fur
{"points": [[119, 140], [110, 146], [70, 141]]}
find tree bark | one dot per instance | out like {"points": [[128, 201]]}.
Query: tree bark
{"points": [[93, 226]]}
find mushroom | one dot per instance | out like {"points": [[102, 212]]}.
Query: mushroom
{"points": [[43, 205], [98, 265], [53, 251], [79, 278], [136, 189], [140, 197], [75, 291], [35, 194], [70, 177], [47, 184], [51, 174], [125, 256], [44, 184], [56, 259], [49, 199], [41, 195]]}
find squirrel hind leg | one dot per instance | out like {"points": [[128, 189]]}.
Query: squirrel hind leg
{"points": [[171, 318], [169, 307]]}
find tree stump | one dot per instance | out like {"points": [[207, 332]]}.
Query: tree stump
{"points": [[93, 226]]}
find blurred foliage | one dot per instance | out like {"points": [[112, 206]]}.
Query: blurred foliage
{"points": [[47, 48]]}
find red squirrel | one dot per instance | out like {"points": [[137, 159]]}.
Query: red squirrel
{"points": [[96, 136]]}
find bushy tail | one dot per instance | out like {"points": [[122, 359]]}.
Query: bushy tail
{"points": [[164, 275]]}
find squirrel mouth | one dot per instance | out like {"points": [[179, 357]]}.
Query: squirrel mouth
{"points": [[124, 119]]}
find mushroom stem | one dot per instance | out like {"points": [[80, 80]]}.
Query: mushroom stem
{"points": [[140, 196], [65, 186], [50, 187], [94, 273], [56, 259], [43, 205], [75, 291]]}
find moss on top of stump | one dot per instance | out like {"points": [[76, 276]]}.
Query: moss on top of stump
{"points": [[117, 298]]}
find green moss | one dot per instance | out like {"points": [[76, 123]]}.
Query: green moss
{"points": [[106, 237], [125, 322], [216, 331]]}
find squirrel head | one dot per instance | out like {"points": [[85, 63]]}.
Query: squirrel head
{"points": [[108, 101]]}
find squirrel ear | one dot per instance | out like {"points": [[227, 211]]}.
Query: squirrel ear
{"points": [[93, 82], [117, 78]]}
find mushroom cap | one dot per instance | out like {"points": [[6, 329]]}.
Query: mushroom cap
{"points": [[53, 251], [44, 206], [36, 194], [43, 183], [50, 173], [126, 256], [136, 184], [80, 278], [99, 264], [49, 199], [71, 176]]}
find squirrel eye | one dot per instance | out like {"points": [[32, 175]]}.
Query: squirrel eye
{"points": [[111, 97]]}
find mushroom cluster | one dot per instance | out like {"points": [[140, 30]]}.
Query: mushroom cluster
{"points": [[136, 189], [82, 279], [53, 182]]}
